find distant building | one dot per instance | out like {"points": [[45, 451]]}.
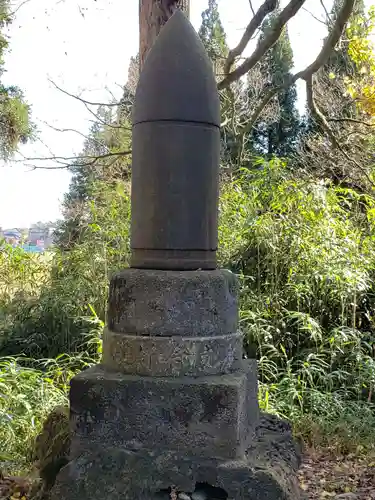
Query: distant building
{"points": [[41, 236], [12, 236], [34, 239]]}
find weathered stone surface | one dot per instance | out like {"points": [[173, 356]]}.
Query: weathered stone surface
{"points": [[171, 303], [206, 416], [134, 436], [172, 356], [269, 473]]}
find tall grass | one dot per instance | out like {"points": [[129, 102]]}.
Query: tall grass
{"points": [[27, 396], [56, 315], [29, 390]]}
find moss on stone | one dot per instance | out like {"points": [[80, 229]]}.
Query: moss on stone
{"points": [[52, 445]]}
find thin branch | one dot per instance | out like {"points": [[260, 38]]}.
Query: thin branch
{"points": [[251, 7], [326, 11], [357, 132], [88, 103], [307, 75], [286, 14], [333, 37], [38, 139], [81, 157], [225, 122], [321, 119], [57, 129], [267, 98], [267, 7], [84, 101], [314, 16], [258, 110], [69, 161], [264, 45], [316, 113], [18, 8], [351, 120]]}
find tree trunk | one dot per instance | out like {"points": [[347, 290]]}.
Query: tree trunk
{"points": [[153, 14]]}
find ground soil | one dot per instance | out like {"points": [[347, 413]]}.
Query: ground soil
{"points": [[322, 476], [325, 476]]}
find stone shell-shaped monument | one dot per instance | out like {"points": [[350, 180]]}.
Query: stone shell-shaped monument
{"points": [[176, 147], [173, 405]]}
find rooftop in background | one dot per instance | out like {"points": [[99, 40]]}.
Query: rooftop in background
{"points": [[32, 239]]}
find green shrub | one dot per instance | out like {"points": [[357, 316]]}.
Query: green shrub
{"points": [[27, 397], [54, 315]]}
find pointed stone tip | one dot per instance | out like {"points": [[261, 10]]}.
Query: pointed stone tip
{"points": [[178, 14], [177, 81]]}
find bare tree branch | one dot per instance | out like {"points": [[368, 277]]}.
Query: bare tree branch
{"points": [[57, 129], [314, 16], [88, 103], [351, 120], [307, 73], [321, 119], [333, 37], [316, 113], [69, 161], [266, 8], [247, 65], [264, 45], [251, 7], [286, 14], [84, 101], [326, 11], [11, 14]]}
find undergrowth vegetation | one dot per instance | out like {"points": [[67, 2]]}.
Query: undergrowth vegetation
{"points": [[304, 252]]}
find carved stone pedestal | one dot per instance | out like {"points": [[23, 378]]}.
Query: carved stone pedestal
{"points": [[174, 405]]}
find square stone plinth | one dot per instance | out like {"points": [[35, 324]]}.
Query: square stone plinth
{"points": [[205, 416], [267, 471]]}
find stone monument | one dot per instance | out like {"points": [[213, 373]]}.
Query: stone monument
{"points": [[172, 411]]}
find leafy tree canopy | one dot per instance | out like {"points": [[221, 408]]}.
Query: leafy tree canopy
{"points": [[15, 123]]}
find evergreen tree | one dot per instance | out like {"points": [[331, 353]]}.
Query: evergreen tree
{"points": [[127, 100], [213, 36], [15, 123], [278, 135], [93, 166]]}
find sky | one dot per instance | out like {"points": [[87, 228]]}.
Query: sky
{"points": [[84, 47]]}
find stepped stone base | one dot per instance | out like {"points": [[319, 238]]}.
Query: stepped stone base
{"points": [[266, 472], [173, 404]]}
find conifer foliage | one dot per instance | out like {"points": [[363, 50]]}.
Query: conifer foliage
{"points": [[15, 122], [278, 135]]}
